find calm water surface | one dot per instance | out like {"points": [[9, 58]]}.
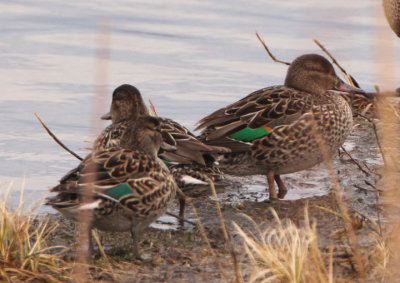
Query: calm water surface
{"points": [[189, 57]]}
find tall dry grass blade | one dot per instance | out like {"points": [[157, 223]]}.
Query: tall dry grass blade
{"points": [[204, 235], [355, 161], [388, 133], [24, 252], [104, 255], [350, 78], [330, 270], [284, 253], [102, 58], [153, 109], [56, 139], [238, 276], [269, 52], [351, 234]]}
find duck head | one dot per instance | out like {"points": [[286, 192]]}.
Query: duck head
{"points": [[126, 103], [143, 133], [392, 13], [313, 73]]}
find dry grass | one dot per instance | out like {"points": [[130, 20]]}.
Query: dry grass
{"points": [[24, 253], [285, 253], [379, 257]]}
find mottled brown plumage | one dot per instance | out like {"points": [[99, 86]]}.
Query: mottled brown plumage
{"points": [[179, 149], [194, 181], [273, 131], [128, 104], [130, 186]]}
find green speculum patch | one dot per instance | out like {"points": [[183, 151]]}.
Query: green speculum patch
{"points": [[119, 191], [168, 163], [248, 134]]}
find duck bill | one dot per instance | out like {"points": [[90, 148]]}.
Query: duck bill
{"points": [[106, 116], [342, 86]]}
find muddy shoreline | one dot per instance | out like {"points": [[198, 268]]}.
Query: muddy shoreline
{"points": [[175, 253], [181, 255]]}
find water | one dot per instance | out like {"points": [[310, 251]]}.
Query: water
{"points": [[188, 57]]}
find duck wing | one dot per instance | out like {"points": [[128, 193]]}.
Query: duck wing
{"points": [[255, 115], [106, 169], [188, 148], [110, 136], [115, 177]]}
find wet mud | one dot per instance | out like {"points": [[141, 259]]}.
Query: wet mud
{"points": [[176, 252]]}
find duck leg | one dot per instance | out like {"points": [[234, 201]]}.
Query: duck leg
{"points": [[281, 186], [182, 208], [271, 185], [135, 238]]}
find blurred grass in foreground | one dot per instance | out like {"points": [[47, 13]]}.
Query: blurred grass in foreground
{"points": [[24, 253]]}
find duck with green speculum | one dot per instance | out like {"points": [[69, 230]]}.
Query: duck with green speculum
{"points": [[191, 162], [130, 186], [275, 130]]}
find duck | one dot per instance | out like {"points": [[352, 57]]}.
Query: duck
{"points": [[190, 161], [129, 186], [392, 13], [276, 130]]}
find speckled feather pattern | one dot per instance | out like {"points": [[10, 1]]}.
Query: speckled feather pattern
{"points": [[179, 146], [294, 147], [196, 171], [151, 186], [291, 146], [110, 136], [173, 134], [189, 149]]}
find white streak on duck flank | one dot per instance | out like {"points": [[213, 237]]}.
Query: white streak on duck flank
{"points": [[91, 205], [190, 180]]}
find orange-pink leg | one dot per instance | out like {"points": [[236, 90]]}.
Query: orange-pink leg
{"points": [[271, 185], [281, 186]]}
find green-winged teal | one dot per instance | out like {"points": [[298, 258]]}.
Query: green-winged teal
{"points": [[271, 131], [392, 12], [191, 162], [131, 186]]}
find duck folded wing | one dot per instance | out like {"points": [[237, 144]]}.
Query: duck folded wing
{"points": [[106, 169], [187, 148], [110, 136], [255, 115]]}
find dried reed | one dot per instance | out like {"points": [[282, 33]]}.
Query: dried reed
{"points": [[285, 253], [24, 252]]}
